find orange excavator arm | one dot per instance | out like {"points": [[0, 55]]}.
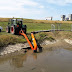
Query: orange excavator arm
{"points": [[34, 41], [33, 38]]}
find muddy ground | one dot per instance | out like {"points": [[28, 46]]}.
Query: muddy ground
{"points": [[21, 48], [54, 56]]}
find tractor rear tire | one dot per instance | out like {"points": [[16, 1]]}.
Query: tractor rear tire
{"points": [[12, 30], [8, 29]]}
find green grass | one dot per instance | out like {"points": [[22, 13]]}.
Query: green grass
{"points": [[32, 25], [4, 24], [38, 26], [7, 39]]}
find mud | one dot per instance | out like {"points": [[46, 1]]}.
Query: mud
{"points": [[13, 48], [48, 60], [54, 57], [65, 43]]}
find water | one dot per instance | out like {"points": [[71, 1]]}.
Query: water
{"points": [[50, 60]]}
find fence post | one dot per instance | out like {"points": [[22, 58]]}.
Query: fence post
{"points": [[52, 27], [58, 26], [71, 27]]}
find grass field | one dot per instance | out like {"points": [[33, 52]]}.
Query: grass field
{"points": [[32, 25], [39, 26]]}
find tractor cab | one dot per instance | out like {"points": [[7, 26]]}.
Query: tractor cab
{"points": [[19, 21], [12, 21], [15, 21], [15, 25]]}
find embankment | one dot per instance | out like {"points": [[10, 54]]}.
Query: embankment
{"points": [[12, 43]]}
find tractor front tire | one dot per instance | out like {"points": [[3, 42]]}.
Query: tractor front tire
{"points": [[8, 29]]}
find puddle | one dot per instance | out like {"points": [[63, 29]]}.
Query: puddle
{"points": [[50, 60]]}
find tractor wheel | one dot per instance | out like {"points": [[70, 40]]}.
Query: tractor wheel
{"points": [[8, 29], [12, 30]]}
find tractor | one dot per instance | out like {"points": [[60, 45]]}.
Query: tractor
{"points": [[15, 26]]}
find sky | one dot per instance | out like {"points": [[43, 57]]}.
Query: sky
{"points": [[35, 9]]}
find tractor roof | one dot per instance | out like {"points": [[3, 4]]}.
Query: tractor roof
{"points": [[15, 20], [12, 19], [19, 20]]}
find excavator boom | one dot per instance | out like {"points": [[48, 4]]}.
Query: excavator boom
{"points": [[33, 38]]}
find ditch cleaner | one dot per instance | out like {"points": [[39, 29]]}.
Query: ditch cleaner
{"points": [[15, 26]]}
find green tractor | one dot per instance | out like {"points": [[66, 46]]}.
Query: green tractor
{"points": [[15, 25]]}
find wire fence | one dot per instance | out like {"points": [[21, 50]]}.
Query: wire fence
{"points": [[65, 27]]}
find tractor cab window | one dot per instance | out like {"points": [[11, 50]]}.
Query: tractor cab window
{"points": [[14, 22], [19, 22]]}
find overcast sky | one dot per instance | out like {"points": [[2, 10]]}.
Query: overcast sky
{"points": [[35, 9]]}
